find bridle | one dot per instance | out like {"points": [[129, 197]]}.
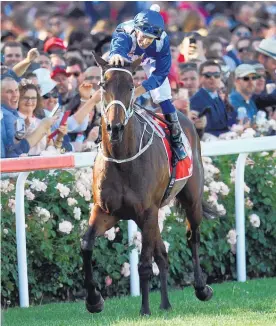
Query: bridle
{"points": [[128, 114], [104, 109]]}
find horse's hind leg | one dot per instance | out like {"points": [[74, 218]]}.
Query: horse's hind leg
{"points": [[161, 259], [99, 222]]}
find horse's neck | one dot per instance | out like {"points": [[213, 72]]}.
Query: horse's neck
{"points": [[129, 146]]}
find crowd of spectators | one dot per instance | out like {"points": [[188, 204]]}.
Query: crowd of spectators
{"points": [[223, 70]]}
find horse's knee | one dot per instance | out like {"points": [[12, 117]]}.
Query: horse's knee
{"points": [[145, 271], [88, 239]]}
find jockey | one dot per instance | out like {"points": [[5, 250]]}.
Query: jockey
{"points": [[145, 35]]}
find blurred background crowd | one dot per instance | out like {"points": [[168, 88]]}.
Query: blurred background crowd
{"points": [[222, 75]]}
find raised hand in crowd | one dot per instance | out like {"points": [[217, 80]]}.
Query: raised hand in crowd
{"points": [[200, 123], [42, 131], [32, 55], [21, 67], [85, 91]]}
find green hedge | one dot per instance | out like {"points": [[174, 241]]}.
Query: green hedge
{"points": [[53, 248]]}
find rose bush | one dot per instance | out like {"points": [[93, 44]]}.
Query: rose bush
{"points": [[57, 205]]}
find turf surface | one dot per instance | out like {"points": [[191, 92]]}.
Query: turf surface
{"points": [[238, 304]]}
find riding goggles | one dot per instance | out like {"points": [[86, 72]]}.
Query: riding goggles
{"points": [[150, 30]]}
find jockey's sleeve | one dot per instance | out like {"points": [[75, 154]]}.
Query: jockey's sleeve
{"points": [[121, 44], [163, 66]]}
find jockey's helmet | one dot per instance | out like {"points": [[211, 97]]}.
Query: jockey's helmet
{"points": [[150, 22]]}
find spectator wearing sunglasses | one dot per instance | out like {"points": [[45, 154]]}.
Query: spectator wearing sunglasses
{"points": [[239, 31], [262, 99], [75, 69], [49, 101], [207, 99], [244, 50], [245, 84]]}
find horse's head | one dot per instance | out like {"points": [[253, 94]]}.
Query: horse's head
{"points": [[117, 96]]}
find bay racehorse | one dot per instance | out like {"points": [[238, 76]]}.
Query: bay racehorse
{"points": [[130, 177]]}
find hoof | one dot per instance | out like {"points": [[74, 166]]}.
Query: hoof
{"points": [[165, 307], [205, 294], [145, 312], [96, 308]]}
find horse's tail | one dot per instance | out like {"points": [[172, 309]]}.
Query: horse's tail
{"points": [[208, 211]]}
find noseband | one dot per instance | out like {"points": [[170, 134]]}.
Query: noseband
{"points": [[104, 109]]}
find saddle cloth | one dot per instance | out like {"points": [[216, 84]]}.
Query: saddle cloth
{"points": [[184, 168]]}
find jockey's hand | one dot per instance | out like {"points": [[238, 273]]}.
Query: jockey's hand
{"points": [[139, 91], [117, 59]]}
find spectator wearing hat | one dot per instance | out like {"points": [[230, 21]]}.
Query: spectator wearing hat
{"points": [[46, 85], [207, 99], [245, 84], [60, 76], [266, 55], [54, 45], [7, 36]]}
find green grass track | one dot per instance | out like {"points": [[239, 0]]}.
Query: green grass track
{"points": [[233, 303]]}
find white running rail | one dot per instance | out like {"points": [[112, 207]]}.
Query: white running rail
{"points": [[76, 160]]}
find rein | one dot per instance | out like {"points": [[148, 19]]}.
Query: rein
{"points": [[128, 114]]}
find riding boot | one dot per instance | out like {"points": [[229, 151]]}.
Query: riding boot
{"points": [[176, 138]]}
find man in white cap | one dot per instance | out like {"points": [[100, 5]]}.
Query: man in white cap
{"points": [[266, 55], [245, 84]]}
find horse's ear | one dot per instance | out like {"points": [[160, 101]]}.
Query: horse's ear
{"points": [[135, 64], [100, 61]]}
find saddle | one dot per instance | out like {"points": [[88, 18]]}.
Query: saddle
{"points": [[178, 170]]}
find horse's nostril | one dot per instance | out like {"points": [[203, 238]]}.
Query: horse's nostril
{"points": [[108, 127]]}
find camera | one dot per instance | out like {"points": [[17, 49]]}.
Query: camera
{"points": [[20, 128]]}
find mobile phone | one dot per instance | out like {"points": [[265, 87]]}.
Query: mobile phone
{"points": [[204, 112], [20, 128]]}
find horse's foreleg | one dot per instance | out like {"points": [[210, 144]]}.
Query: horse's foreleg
{"points": [[202, 291], [150, 224], [161, 259], [99, 222]]}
